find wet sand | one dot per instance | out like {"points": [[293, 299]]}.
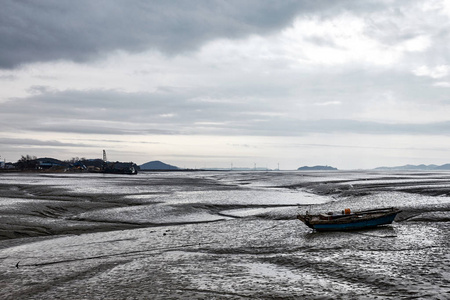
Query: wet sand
{"points": [[224, 235]]}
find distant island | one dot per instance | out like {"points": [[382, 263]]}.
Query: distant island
{"points": [[421, 167], [317, 168], [157, 165]]}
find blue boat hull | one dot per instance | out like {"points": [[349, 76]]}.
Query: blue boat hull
{"points": [[387, 219]]}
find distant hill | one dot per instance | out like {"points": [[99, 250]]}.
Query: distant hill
{"points": [[443, 167], [317, 168], [421, 167], [157, 165]]}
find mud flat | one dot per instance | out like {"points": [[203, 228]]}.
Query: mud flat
{"points": [[233, 235]]}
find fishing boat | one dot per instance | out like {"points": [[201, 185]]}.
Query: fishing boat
{"points": [[348, 220]]}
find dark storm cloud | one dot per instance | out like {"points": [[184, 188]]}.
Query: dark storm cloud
{"points": [[47, 30]]}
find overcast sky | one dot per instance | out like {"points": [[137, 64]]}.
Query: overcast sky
{"points": [[351, 84]]}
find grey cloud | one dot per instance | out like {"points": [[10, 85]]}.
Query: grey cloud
{"points": [[82, 128], [113, 106], [369, 147], [292, 127], [322, 41], [112, 112], [34, 142], [47, 30], [8, 77], [353, 126], [405, 21], [120, 141]]}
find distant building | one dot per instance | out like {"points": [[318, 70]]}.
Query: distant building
{"points": [[121, 168], [8, 166], [47, 163], [92, 165]]}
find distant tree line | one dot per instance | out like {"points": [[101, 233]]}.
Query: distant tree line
{"points": [[75, 164], [30, 162], [75, 159], [27, 162]]}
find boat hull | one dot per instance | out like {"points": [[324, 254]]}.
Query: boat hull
{"points": [[355, 225], [354, 221]]}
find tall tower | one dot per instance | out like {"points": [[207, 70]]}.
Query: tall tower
{"points": [[104, 156]]}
